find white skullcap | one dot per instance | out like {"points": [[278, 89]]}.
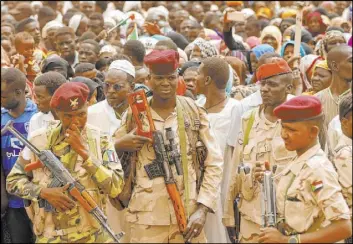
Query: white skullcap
{"points": [[75, 21], [129, 5], [49, 25], [123, 65], [91, 2], [108, 49]]}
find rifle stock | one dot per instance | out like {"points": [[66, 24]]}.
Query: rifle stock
{"points": [[62, 176]]}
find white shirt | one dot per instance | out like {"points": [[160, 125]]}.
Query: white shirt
{"points": [[102, 116], [38, 121], [334, 132]]}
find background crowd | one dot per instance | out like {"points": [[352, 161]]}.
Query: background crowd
{"points": [[78, 41]]}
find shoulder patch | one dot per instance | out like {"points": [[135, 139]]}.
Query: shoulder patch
{"points": [[317, 186]]}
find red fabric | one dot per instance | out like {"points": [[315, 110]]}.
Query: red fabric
{"points": [[299, 108], [278, 66], [181, 89], [70, 96], [167, 58]]}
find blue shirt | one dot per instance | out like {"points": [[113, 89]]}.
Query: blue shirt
{"points": [[11, 146]]}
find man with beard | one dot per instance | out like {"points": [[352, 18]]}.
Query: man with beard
{"points": [[15, 107], [150, 210], [259, 140]]}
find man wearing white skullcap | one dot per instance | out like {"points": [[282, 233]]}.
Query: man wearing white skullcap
{"points": [[106, 115], [78, 23], [48, 34]]}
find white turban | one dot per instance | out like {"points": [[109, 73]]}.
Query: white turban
{"points": [[75, 20], [130, 5], [123, 65], [50, 25]]}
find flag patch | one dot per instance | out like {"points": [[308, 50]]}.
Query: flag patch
{"points": [[316, 186], [112, 156]]}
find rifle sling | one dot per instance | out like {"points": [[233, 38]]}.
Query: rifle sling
{"points": [[183, 152]]}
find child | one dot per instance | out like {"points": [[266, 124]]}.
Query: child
{"points": [[343, 151], [308, 193], [24, 60]]}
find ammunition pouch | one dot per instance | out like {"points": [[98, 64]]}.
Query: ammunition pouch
{"points": [[154, 170]]}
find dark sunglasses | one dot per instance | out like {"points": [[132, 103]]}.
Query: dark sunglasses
{"points": [[116, 87]]}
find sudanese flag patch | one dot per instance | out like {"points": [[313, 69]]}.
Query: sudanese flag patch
{"points": [[112, 157], [316, 186]]}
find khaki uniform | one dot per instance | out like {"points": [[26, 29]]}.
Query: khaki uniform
{"points": [[150, 211], [309, 186], [265, 144], [343, 163], [101, 175]]}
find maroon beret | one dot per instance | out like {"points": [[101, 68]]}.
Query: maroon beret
{"points": [[276, 67], [70, 96], [299, 108], [162, 61]]}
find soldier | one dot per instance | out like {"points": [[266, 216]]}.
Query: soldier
{"points": [[343, 151], [258, 141], [308, 194], [150, 211], [88, 156]]}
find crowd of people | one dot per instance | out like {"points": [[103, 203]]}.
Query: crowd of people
{"points": [[233, 84]]}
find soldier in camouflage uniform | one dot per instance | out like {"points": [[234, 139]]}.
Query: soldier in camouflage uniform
{"points": [[310, 205], [259, 141], [87, 154]]}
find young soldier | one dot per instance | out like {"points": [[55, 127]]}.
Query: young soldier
{"points": [[259, 140], [343, 151], [87, 155], [308, 193], [150, 211]]}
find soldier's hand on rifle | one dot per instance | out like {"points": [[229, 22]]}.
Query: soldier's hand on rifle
{"points": [[272, 235], [57, 198], [131, 142], [74, 138], [196, 223], [258, 172]]}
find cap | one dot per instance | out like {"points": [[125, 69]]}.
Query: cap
{"points": [[162, 61], [123, 65], [70, 96], [299, 108], [278, 66], [92, 86]]}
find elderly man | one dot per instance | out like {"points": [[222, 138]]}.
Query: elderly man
{"points": [[150, 210]]}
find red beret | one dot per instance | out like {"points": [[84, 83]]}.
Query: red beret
{"points": [[278, 66], [299, 108], [162, 61], [70, 96]]}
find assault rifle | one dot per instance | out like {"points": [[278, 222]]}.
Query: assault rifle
{"points": [[160, 167], [62, 177], [268, 199]]}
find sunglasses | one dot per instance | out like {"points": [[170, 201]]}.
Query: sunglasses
{"points": [[116, 87]]}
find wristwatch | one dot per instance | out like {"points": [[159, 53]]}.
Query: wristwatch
{"points": [[294, 239]]}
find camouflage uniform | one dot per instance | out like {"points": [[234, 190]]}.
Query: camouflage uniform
{"points": [[309, 186], [265, 144], [100, 180], [343, 163], [150, 211]]}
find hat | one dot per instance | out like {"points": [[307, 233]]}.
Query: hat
{"points": [[234, 3], [50, 25], [92, 86], [123, 65], [278, 67], [300, 108], [69, 97], [162, 61]]}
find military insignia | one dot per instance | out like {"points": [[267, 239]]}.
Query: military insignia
{"points": [[74, 103], [316, 186]]}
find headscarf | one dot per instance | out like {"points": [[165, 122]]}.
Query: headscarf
{"points": [[321, 64], [323, 44], [322, 24], [306, 66], [289, 13], [75, 20], [211, 34], [54, 61], [262, 49], [275, 32], [49, 25], [130, 5], [207, 49], [276, 22], [253, 41], [301, 50], [264, 12]]}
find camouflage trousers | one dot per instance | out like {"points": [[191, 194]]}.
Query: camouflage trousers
{"points": [[249, 231], [160, 234]]}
